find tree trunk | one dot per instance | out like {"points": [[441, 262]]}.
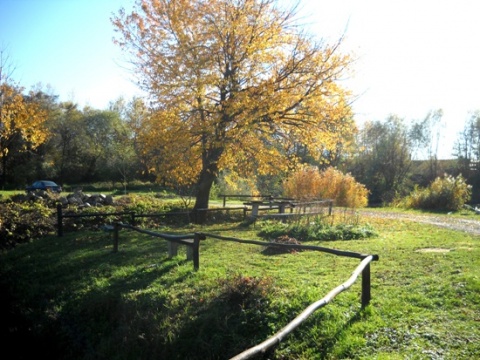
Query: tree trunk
{"points": [[4, 169], [205, 182]]}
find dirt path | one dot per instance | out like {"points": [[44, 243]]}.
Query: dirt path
{"points": [[450, 222]]}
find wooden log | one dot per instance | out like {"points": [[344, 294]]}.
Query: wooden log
{"points": [[190, 251], [59, 221], [196, 250], [116, 230], [366, 286], [344, 253]]}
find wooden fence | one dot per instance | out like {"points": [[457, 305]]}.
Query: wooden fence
{"points": [[263, 347], [132, 216], [253, 197], [363, 268], [192, 241], [296, 209], [254, 210], [61, 216]]}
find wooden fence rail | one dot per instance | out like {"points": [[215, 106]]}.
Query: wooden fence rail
{"points": [[192, 241], [263, 197], [133, 216], [61, 216], [343, 253], [263, 347], [363, 269], [302, 206]]}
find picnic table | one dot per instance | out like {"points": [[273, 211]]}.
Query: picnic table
{"points": [[256, 205]]}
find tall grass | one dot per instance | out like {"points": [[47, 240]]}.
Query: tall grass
{"points": [[309, 183], [318, 228]]}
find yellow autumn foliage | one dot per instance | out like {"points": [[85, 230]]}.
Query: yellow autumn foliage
{"points": [[310, 184], [20, 117], [234, 85]]}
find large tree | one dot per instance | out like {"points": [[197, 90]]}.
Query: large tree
{"points": [[235, 84]]}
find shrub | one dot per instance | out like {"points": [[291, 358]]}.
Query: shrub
{"points": [[447, 193], [316, 230], [244, 291], [309, 183], [23, 222]]}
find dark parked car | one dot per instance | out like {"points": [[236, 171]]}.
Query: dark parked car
{"points": [[44, 185]]}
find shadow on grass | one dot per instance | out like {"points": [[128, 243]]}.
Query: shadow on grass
{"points": [[63, 297], [77, 305], [328, 344], [223, 327], [221, 332]]}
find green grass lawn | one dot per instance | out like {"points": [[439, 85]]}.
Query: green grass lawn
{"points": [[4, 194], [72, 297]]}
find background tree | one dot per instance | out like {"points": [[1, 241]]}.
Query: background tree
{"points": [[467, 152], [234, 84], [65, 144], [21, 120], [383, 158], [33, 164], [425, 136], [467, 145], [7, 67], [85, 144], [134, 114], [103, 130], [21, 126]]}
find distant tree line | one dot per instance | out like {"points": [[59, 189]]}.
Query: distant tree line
{"points": [[78, 146]]}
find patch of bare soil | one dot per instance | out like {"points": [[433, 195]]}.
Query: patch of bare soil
{"points": [[434, 250]]}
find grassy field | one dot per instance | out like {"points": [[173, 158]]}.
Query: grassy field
{"points": [[72, 297]]}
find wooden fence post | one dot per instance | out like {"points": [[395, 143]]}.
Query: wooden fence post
{"points": [[330, 206], [366, 294], [116, 230], [172, 249], [190, 251], [132, 218], [196, 251], [59, 220]]}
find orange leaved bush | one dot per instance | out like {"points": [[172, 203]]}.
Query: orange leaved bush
{"points": [[308, 183]]}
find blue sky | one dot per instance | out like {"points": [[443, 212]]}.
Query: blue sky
{"points": [[413, 55], [67, 44]]}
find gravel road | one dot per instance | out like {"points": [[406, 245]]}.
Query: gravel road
{"points": [[451, 222]]}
